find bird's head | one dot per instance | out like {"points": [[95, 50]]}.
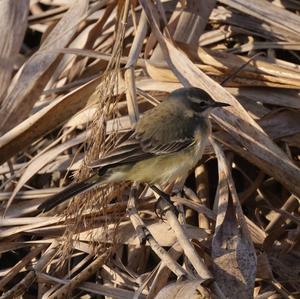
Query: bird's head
{"points": [[196, 99]]}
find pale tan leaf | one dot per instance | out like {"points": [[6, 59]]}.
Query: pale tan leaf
{"points": [[45, 120], [33, 76], [269, 13], [184, 290], [13, 23], [232, 249], [44, 159], [192, 20], [278, 97], [159, 230]]}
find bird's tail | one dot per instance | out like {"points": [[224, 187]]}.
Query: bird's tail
{"points": [[69, 192]]}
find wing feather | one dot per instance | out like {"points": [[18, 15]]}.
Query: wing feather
{"points": [[148, 140]]}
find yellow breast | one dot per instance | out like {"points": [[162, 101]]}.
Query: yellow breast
{"points": [[168, 167]]}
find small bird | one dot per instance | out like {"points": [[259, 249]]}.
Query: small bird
{"points": [[166, 143]]}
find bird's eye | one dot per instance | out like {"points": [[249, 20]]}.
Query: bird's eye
{"points": [[201, 104]]}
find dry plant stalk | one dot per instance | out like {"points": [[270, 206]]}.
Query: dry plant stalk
{"points": [[97, 146]]}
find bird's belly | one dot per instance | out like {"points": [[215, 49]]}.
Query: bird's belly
{"points": [[166, 168]]}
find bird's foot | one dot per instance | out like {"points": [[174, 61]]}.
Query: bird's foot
{"points": [[164, 203]]}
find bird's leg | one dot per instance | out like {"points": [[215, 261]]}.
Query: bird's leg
{"points": [[161, 193], [178, 185], [164, 202]]}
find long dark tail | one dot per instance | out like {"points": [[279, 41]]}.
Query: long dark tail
{"points": [[69, 192]]}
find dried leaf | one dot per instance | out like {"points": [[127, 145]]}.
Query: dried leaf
{"points": [[13, 23], [232, 249], [42, 160], [184, 290], [269, 13], [45, 120], [33, 76]]}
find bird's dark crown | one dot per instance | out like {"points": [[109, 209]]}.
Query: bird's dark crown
{"points": [[196, 98]]}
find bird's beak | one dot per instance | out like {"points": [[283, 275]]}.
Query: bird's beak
{"points": [[219, 104]]}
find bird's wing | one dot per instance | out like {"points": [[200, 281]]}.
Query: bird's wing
{"points": [[174, 133], [125, 152]]}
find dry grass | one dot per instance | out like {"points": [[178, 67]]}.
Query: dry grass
{"points": [[75, 75]]}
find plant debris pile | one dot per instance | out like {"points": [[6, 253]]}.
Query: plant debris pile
{"points": [[78, 74]]}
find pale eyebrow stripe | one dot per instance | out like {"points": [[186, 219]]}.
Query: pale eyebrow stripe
{"points": [[195, 100]]}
